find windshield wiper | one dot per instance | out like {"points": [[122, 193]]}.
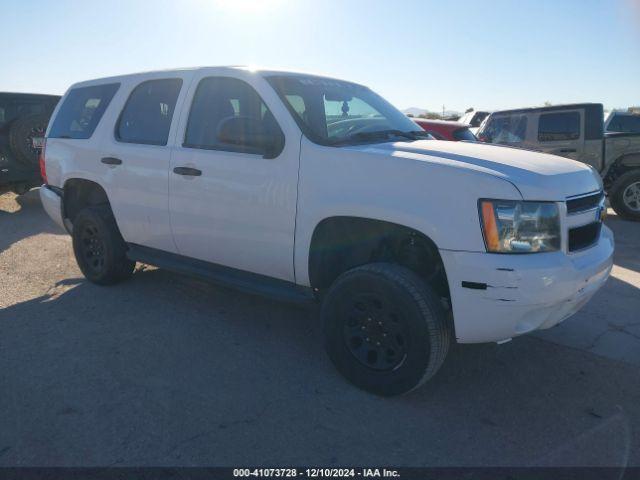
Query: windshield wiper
{"points": [[385, 135]]}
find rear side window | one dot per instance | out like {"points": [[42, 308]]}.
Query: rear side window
{"points": [[228, 114], [559, 126], [146, 117], [81, 111]]}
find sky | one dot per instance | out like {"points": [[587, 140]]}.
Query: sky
{"points": [[486, 54]]}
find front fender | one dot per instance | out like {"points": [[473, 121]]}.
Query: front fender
{"points": [[437, 200]]}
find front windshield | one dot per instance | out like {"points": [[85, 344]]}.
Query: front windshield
{"points": [[333, 112]]}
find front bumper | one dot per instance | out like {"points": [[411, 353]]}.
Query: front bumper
{"points": [[523, 292], [52, 203]]}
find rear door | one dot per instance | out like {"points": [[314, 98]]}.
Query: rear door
{"points": [[560, 133], [135, 157]]}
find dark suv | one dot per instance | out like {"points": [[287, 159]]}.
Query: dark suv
{"points": [[23, 121]]}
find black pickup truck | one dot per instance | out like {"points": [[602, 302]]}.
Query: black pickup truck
{"points": [[23, 121]]}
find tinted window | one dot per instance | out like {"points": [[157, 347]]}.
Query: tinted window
{"points": [[228, 114], [624, 123], [12, 108], [505, 130], [146, 117], [559, 126], [464, 134], [81, 111]]}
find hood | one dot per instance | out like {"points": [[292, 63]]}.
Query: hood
{"points": [[538, 176]]}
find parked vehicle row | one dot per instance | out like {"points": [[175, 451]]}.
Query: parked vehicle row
{"points": [[306, 187], [576, 132], [23, 121]]}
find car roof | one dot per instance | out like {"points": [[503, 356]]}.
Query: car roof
{"points": [[29, 95], [211, 69], [566, 106]]}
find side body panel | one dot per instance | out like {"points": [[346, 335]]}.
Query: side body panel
{"points": [[624, 148]]}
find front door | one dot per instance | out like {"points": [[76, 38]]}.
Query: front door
{"points": [[233, 180]]}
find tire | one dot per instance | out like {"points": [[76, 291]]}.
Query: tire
{"points": [[624, 195], [99, 248], [21, 136], [388, 305]]}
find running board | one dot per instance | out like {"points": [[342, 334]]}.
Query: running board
{"points": [[229, 277]]}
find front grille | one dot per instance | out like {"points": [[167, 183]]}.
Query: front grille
{"points": [[584, 236], [583, 204]]}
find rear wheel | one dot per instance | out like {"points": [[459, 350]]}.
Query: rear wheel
{"points": [[624, 195], [385, 329], [99, 248]]}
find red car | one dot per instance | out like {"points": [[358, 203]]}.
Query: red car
{"points": [[442, 130]]}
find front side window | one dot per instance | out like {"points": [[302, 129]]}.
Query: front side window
{"points": [[559, 126], [508, 129], [333, 112], [81, 111], [228, 114], [146, 117]]}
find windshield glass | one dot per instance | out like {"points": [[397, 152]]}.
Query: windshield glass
{"points": [[333, 112]]}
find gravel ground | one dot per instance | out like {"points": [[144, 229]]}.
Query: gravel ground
{"points": [[165, 370]]}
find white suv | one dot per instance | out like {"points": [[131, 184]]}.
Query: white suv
{"points": [[305, 187]]}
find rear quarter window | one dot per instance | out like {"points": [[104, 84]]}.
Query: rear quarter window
{"points": [[82, 110]]}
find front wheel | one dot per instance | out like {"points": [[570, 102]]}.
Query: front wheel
{"points": [[625, 195], [99, 248], [385, 329]]}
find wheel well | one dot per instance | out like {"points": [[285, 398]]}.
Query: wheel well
{"points": [[621, 166], [341, 243], [80, 193]]}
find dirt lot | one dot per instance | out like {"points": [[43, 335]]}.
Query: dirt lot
{"points": [[166, 370]]}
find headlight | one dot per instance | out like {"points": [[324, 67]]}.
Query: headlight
{"points": [[520, 227]]}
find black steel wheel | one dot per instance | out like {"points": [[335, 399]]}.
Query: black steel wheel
{"points": [[385, 329], [92, 247], [375, 331], [99, 248]]}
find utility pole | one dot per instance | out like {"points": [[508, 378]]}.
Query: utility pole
{"points": [[443, 111]]}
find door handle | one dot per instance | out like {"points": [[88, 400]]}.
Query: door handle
{"points": [[188, 171], [568, 150], [111, 161]]}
